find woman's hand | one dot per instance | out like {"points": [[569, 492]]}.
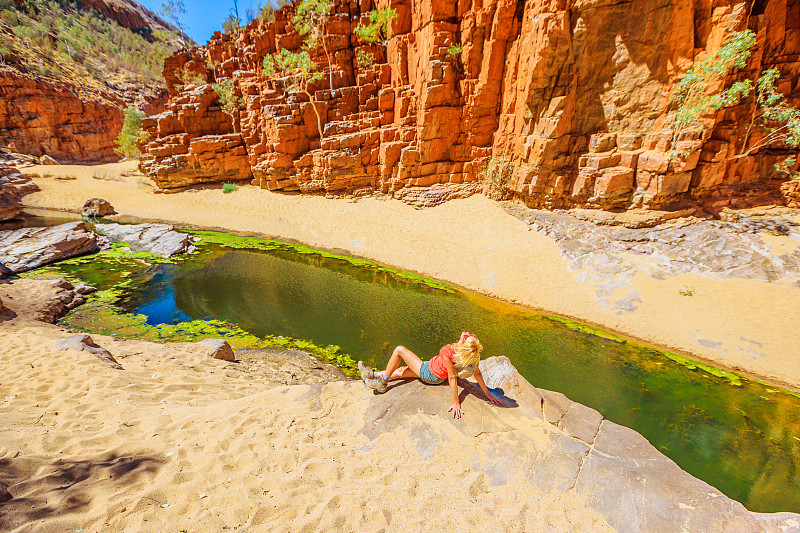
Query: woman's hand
{"points": [[492, 398], [455, 409]]}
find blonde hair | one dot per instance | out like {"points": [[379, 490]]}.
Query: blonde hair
{"points": [[467, 352]]}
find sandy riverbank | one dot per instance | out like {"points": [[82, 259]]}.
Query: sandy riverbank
{"points": [[746, 325], [178, 441]]}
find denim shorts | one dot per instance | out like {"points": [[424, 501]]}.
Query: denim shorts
{"points": [[427, 376]]}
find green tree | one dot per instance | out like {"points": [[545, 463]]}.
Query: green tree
{"points": [[226, 91], [299, 70], [770, 113], [377, 31], [174, 10], [233, 23], [130, 134], [267, 11], [311, 19]]}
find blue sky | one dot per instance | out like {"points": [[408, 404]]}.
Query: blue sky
{"points": [[203, 17]]}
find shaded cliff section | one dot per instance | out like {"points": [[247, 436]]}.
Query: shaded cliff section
{"points": [[557, 104], [60, 96]]}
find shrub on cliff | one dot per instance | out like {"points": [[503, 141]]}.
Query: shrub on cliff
{"points": [[130, 134], [299, 70], [267, 11], [377, 31], [779, 123], [230, 103], [311, 20]]}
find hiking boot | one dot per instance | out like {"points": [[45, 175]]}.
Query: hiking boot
{"points": [[379, 384], [366, 372]]}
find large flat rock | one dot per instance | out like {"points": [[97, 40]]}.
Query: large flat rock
{"points": [[567, 448], [159, 239], [28, 248]]}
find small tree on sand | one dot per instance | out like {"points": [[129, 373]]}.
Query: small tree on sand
{"points": [[174, 10], [300, 72], [130, 134], [311, 19], [779, 122]]}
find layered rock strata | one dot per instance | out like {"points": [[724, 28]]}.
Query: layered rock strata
{"points": [[13, 186], [558, 107], [42, 118], [28, 248], [159, 239]]}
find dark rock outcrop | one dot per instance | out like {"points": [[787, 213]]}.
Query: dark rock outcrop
{"points": [[28, 248], [4, 494]]}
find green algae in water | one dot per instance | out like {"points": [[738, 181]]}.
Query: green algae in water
{"points": [[239, 242], [101, 315], [588, 330]]}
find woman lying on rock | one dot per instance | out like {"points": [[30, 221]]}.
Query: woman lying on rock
{"points": [[459, 360]]}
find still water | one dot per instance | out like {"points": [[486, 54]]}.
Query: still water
{"points": [[744, 440]]}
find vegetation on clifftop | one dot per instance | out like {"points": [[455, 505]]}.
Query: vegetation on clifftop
{"points": [[62, 39]]}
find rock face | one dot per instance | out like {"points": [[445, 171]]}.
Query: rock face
{"points": [[42, 118], [28, 248], [13, 186], [97, 207], [159, 239], [563, 446], [558, 107]]}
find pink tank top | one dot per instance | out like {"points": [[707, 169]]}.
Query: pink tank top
{"points": [[436, 364]]}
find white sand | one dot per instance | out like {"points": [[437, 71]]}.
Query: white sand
{"points": [[746, 325]]}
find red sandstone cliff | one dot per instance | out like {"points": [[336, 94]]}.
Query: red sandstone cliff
{"points": [[49, 105], [570, 99]]}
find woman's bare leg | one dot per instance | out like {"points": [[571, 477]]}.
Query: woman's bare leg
{"points": [[395, 371]]}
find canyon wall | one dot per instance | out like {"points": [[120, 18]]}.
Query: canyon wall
{"points": [[39, 117], [556, 104], [61, 92]]}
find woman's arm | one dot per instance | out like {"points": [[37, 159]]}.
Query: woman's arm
{"points": [[452, 379], [491, 397]]}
